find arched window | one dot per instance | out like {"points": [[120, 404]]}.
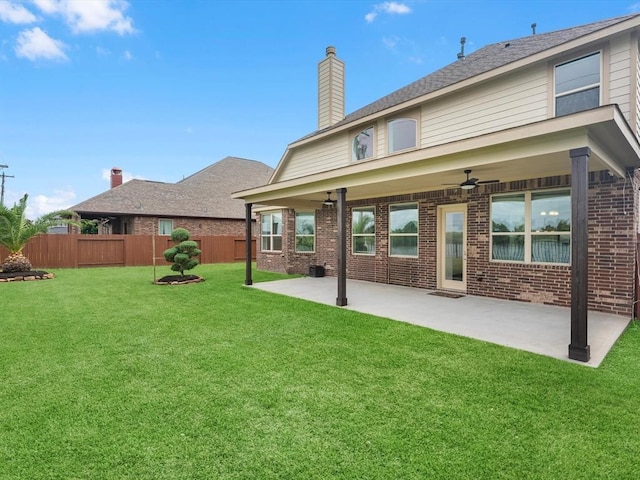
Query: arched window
{"points": [[402, 134]]}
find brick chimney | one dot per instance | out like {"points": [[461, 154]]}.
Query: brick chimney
{"points": [[116, 177], [330, 90]]}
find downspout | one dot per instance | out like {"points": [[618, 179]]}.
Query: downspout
{"points": [[247, 277]]}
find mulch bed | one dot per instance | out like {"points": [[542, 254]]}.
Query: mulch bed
{"points": [[179, 280], [25, 276]]}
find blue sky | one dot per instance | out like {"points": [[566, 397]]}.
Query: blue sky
{"points": [[164, 88]]}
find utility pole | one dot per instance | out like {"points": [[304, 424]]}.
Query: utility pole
{"points": [[4, 175]]}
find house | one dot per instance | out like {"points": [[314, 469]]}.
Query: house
{"points": [[201, 203], [511, 173]]}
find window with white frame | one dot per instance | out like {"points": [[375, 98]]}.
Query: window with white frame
{"points": [[362, 145], [577, 85], [402, 133], [305, 231], [363, 231], [403, 230], [165, 226], [271, 231], [531, 227]]}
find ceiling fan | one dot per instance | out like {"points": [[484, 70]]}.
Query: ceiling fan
{"points": [[328, 202], [471, 183]]}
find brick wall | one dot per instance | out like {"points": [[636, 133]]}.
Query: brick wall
{"points": [[613, 226], [196, 226]]}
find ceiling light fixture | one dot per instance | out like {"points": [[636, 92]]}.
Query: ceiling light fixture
{"points": [[328, 202]]}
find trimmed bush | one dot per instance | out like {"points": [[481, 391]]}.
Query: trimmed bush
{"points": [[181, 255]]}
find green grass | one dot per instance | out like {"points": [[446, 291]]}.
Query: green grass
{"points": [[106, 376]]}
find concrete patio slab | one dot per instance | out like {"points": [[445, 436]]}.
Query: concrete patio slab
{"points": [[541, 329]]}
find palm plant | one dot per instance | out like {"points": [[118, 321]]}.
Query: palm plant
{"points": [[16, 231]]}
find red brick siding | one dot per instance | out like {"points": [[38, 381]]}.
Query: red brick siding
{"points": [[613, 223], [196, 226]]}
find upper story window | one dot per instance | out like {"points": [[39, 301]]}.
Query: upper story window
{"points": [[403, 230], [305, 231], [402, 133], [362, 145], [531, 227], [363, 230], [577, 85], [271, 232], [165, 226]]}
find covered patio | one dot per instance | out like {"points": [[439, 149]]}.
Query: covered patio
{"points": [[597, 140], [541, 329]]}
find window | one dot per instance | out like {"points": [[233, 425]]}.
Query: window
{"points": [[403, 230], [531, 227], [363, 231], [363, 145], [577, 85], [165, 226], [402, 134], [271, 232], [305, 231]]}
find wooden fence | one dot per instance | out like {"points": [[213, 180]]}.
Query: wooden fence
{"points": [[73, 251]]}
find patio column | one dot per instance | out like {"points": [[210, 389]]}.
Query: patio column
{"points": [[247, 247], [341, 300], [578, 348]]}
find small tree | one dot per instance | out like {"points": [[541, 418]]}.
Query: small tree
{"points": [[182, 254], [16, 231]]}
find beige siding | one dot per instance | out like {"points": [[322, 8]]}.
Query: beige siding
{"points": [[620, 75], [330, 92], [638, 94], [326, 155], [381, 137], [512, 101]]}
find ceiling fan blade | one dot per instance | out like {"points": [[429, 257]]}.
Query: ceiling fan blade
{"points": [[488, 181]]}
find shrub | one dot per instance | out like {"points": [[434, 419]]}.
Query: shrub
{"points": [[181, 255]]}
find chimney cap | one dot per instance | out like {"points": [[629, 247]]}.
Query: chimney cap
{"points": [[331, 51], [116, 170]]}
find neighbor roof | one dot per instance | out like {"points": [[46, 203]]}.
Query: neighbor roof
{"points": [[205, 194], [484, 60]]}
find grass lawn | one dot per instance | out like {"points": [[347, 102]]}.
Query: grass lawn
{"points": [[104, 375]]}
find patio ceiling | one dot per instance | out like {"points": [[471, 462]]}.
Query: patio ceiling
{"points": [[531, 151]]}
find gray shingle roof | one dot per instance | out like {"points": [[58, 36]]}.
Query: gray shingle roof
{"points": [[483, 60], [205, 194]]}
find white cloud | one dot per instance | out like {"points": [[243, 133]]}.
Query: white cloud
{"points": [[84, 16], [102, 51], [404, 48], [127, 55], [41, 204], [35, 44], [390, 8], [390, 42], [15, 13]]}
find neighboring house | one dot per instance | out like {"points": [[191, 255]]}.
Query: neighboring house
{"points": [[201, 203], [509, 173]]}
